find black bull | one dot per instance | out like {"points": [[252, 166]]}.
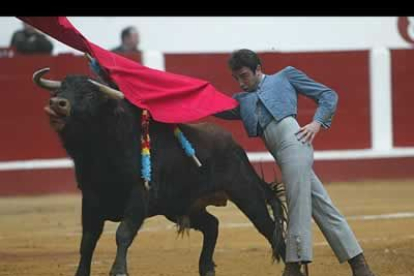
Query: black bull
{"points": [[102, 136]]}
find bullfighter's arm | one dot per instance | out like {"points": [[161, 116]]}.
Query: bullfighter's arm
{"points": [[232, 114], [324, 96]]}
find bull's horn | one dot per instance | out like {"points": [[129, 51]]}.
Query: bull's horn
{"points": [[43, 83], [110, 92]]}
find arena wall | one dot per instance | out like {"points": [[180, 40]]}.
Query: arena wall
{"points": [[370, 136]]}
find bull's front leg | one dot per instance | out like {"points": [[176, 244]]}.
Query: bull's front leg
{"points": [[208, 225], [92, 226], [135, 214]]}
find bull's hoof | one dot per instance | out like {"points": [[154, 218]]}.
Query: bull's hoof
{"points": [[209, 273], [118, 270], [117, 274], [207, 269]]}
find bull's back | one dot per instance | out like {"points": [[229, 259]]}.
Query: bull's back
{"points": [[209, 136]]}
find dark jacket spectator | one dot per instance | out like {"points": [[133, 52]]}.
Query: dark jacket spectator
{"points": [[129, 41], [30, 41]]}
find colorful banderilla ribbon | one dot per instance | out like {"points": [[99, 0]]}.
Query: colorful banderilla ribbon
{"points": [[186, 145], [146, 147]]}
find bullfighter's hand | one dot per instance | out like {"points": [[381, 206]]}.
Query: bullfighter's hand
{"points": [[307, 133]]}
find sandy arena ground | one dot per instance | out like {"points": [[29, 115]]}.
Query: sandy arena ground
{"points": [[41, 236]]}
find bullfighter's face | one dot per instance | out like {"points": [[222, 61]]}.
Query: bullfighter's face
{"points": [[248, 79]]}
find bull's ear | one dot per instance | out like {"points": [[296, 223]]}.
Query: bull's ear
{"points": [[108, 91]]}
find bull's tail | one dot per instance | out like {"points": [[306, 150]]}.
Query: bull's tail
{"points": [[274, 195]]}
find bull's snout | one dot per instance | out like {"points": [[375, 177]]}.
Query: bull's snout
{"points": [[58, 110], [60, 106]]}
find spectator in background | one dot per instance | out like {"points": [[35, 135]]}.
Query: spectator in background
{"points": [[129, 41], [30, 41]]}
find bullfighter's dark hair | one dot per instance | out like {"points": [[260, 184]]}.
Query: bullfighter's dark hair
{"points": [[244, 58]]}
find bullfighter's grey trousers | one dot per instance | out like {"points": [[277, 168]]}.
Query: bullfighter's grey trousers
{"points": [[306, 197]]}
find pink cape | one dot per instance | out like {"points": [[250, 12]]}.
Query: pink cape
{"points": [[170, 98]]}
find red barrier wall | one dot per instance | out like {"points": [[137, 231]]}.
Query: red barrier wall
{"points": [[402, 68], [37, 182], [25, 132]]}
